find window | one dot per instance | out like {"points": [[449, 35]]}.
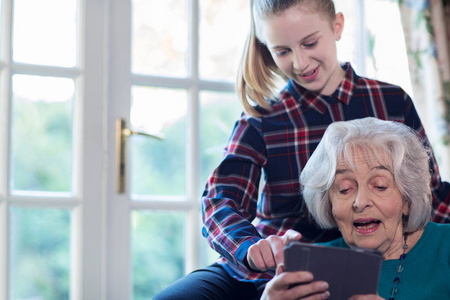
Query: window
{"points": [[39, 73], [375, 49], [183, 61], [69, 69], [46, 194]]}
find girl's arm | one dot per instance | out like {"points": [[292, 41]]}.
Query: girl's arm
{"points": [[230, 198]]}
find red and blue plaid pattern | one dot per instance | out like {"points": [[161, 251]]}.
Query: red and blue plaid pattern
{"points": [[280, 143]]}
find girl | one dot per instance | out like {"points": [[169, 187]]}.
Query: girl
{"points": [[294, 41]]}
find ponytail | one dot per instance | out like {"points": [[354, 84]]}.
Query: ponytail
{"points": [[257, 77]]}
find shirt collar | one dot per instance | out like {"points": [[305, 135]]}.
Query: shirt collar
{"points": [[319, 102]]}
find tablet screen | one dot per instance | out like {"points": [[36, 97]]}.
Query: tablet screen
{"points": [[348, 271]]}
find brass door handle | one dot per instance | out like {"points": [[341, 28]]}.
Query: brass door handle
{"points": [[126, 132], [122, 133]]}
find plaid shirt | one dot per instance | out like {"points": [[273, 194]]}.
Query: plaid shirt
{"points": [[280, 143]]}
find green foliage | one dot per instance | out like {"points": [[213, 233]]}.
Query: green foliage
{"points": [[158, 245], [446, 89], [216, 123], [40, 254], [372, 42], [158, 167], [42, 146], [42, 161]]}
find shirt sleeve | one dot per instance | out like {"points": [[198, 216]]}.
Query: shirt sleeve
{"points": [[230, 198], [440, 189]]}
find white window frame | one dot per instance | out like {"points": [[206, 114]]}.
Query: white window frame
{"points": [[101, 262], [190, 203], [87, 228]]}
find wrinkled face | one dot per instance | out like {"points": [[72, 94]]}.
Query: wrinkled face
{"points": [[303, 46], [367, 205]]}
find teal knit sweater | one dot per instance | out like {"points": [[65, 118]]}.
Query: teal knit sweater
{"points": [[426, 273]]}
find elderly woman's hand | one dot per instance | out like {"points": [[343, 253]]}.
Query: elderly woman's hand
{"points": [[268, 253], [281, 286]]}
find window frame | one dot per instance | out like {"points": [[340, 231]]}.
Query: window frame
{"points": [[86, 200], [103, 85]]}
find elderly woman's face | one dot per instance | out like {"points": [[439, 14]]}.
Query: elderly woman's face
{"points": [[367, 205]]}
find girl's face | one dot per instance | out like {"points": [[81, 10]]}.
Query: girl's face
{"points": [[368, 207], [303, 46]]}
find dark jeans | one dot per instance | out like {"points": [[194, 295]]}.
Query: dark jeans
{"points": [[211, 283]]}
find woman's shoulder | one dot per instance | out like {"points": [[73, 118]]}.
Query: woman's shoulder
{"points": [[438, 227], [436, 232]]}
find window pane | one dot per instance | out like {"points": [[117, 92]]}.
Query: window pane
{"points": [[224, 26], [159, 262], [42, 134], [1, 31], [387, 58], [40, 254], [159, 37], [347, 46], [219, 112], [45, 32], [158, 167]]}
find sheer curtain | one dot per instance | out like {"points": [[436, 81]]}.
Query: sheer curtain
{"points": [[426, 25]]}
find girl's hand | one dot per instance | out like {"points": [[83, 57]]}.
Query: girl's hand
{"points": [[268, 253], [365, 297], [280, 287]]}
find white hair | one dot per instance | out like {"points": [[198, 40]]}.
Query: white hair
{"points": [[382, 141]]}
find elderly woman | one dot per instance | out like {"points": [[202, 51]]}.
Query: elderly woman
{"points": [[371, 179]]}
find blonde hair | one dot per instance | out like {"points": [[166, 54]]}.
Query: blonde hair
{"points": [[258, 75]]}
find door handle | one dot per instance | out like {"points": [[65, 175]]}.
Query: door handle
{"points": [[122, 134]]}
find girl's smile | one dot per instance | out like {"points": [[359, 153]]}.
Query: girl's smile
{"points": [[310, 76], [303, 46]]}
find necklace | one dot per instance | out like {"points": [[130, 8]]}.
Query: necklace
{"points": [[399, 269]]}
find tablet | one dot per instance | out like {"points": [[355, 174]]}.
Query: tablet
{"points": [[348, 271]]}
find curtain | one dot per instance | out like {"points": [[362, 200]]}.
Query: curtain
{"points": [[426, 25]]}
